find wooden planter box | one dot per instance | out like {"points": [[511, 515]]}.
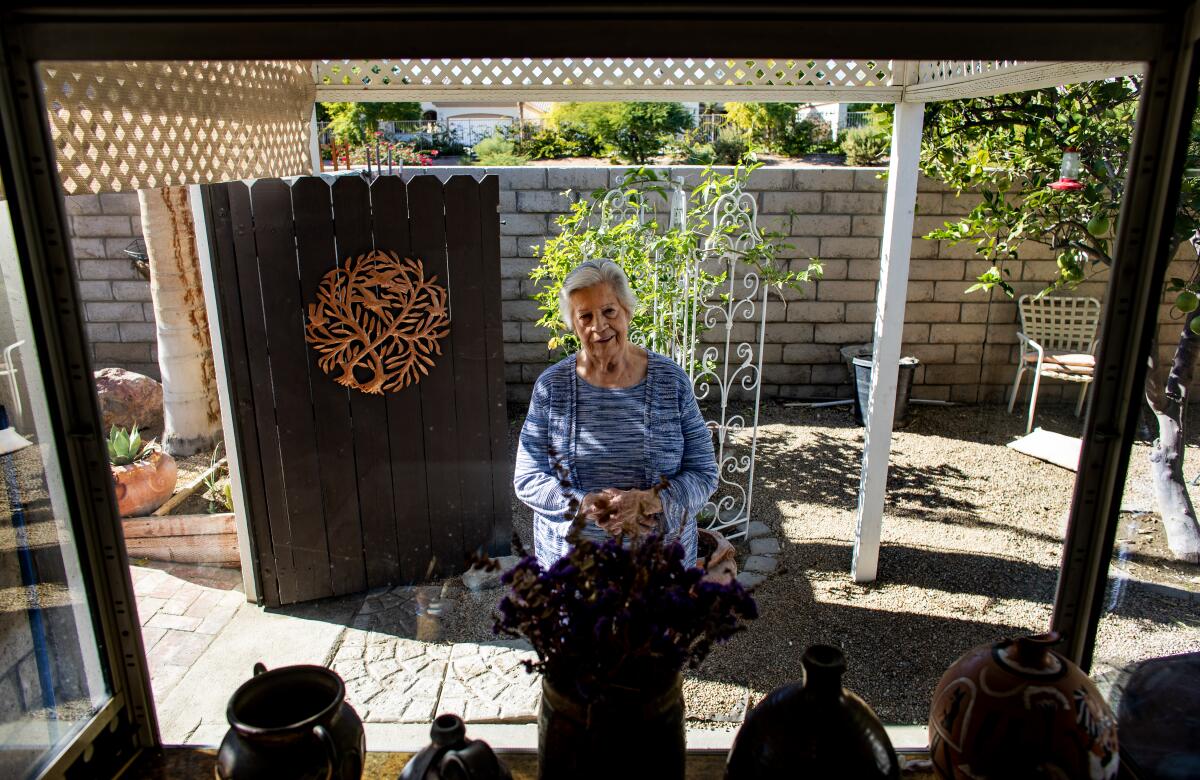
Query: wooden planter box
{"points": [[206, 539]]}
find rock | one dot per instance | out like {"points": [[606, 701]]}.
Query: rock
{"points": [[480, 579], [761, 564], [749, 579], [128, 399], [764, 545], [757, 528]]}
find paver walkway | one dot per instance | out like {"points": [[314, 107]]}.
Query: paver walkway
{"points": [[387, 648], [182, 608], [202, 639]]}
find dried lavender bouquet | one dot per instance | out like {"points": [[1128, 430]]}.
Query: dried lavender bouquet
{"points": [[625, 613]]}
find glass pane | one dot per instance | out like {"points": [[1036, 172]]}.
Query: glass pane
{"points": [[52, 679], [1147, 653]]}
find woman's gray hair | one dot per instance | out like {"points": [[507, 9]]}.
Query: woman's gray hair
{"points": [[589, 273]]}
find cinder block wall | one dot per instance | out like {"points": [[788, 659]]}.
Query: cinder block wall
{"points": [[966, 342], [116, 298]]}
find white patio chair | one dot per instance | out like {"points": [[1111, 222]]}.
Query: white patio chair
{"points": [[1058, 340], [9, 369]]}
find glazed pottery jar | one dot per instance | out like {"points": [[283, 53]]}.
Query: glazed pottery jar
{"points": [[291, 723], [1018, 709], [633, 732], [452, 755], [815, 728]]}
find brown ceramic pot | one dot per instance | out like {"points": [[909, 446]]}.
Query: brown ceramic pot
{"points": [[1018, 709], [813, 729], [144, 485]]}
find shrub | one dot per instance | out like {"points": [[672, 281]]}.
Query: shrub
{"points": [[445, 143], [356, 123], [730, 146], [655, 256], [641, 126], [634, 130], [865, 146], [549, 143], [495, 150]]}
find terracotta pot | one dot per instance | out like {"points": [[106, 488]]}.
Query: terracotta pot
{"points": [[144, 485], [718, 557], [1018, 709], [631, 732], [815, 728]]}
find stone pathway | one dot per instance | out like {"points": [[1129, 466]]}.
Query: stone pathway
{"points": [[202, 638], [764, 555], [396, 672]]}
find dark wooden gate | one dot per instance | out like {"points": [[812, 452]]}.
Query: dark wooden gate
{"points": [[344, 490]]}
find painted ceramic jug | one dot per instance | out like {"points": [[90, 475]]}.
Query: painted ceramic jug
{"points": [[1019, 709], [292, 723], [815, 728]]}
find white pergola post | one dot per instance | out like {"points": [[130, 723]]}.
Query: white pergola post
{"points": [[314, 143], [895, 249]]}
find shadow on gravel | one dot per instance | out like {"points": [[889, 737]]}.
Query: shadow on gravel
{"points": [[938, 570], [825, 469], [895, 658]]}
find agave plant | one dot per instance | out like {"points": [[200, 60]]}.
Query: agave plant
{"points": [[125, 446], [217, 487]]}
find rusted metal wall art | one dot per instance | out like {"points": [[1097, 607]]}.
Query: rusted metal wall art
{"points": [[377, 322]]}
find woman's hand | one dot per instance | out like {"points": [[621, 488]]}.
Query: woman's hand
{"points": [[630, 511], [595, 508]]}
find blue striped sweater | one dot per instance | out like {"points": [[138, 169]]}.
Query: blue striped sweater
{"points": [[678, 446]]}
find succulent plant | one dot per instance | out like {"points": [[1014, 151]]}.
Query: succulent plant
{"points": [[125, 446]]}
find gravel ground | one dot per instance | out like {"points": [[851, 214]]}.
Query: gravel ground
{"points": [[972, 540]]}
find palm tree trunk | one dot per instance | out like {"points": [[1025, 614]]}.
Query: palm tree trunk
{"points": [[1168, 401], [191, 410]]}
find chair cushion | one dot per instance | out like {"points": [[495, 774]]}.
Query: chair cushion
{"points": [[1062, 358]]}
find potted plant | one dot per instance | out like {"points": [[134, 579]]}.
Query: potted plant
{"points": [[613, 624], [143, 475]]}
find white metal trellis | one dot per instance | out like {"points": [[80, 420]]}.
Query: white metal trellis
{"points": [[728, 371]]}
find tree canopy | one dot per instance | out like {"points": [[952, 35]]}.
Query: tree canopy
{"points": [[354, 123]]}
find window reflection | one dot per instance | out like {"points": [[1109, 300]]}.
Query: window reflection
{"points": [[51, 676]]}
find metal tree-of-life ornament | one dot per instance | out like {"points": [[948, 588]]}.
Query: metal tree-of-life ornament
{"points": [[720, 370], [377, 322]]}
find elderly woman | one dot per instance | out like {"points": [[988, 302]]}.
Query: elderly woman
{"points": [[617, 419]]}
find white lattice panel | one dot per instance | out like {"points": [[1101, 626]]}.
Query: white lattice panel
{"points": [[133, 125], [957, 79], [931, 71], [596, 75]]}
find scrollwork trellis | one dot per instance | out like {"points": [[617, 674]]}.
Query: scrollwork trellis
{"points": [[720, 288]]}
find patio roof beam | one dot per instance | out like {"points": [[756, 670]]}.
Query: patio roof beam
{"points": [[895, 250], [874, 94], [695, 78]]}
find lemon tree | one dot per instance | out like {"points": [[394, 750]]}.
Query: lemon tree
{"points": [[1009, 149]]}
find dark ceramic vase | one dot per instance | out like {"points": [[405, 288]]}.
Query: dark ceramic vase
{"points": [[452, 756], [626, 733], [815, 728], [291, 723], [1018, 709]]}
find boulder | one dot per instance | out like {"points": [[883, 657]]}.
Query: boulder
{"points": [[128, 399]]}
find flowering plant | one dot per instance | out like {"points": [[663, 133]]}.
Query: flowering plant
{"points": [[610, 615]]}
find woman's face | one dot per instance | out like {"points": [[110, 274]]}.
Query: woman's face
{"points": [[599, 320]]}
